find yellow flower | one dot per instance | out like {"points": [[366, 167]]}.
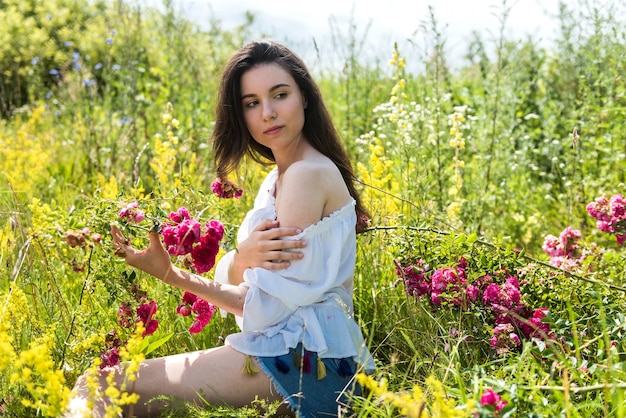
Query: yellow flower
{"points": [[109, 189], [35, 372], [7, 352]]}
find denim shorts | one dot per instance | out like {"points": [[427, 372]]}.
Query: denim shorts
{"points": [[310, 389]]}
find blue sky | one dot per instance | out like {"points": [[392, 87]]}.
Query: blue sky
{"points": [[299, 22]]}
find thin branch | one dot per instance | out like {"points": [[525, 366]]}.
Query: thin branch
{"points": [[489, 244], [577, 389]]}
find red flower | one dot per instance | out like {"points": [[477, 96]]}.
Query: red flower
{"points": [[184, 308], [203, 309], [110, 358], [145, 313]]}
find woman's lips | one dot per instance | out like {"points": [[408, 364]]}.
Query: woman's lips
{"points": [[273, 130]]}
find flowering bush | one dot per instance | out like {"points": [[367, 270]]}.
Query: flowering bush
{"points": [[128, 319], [183, 236], [610, 215], [497, 294], [565, 251]]}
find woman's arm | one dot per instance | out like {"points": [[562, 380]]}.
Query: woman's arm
{"points": [[156, 261], [264, 248]]}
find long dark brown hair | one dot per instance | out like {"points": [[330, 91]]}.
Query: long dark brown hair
{"points": [[232, 140]]}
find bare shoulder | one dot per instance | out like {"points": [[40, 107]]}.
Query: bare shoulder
{"points": [[316, 187], [318, 171]]}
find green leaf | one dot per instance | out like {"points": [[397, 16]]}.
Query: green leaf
{"points": [[541, 345], [152, 342]]}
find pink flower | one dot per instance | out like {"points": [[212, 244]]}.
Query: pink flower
{"points": [[569, 239], [472, 293], [552, 247], [502, 299], [491, 398], [435, 298], [145, 313], [215, 230], [189, 298], [415, 282], [179, 239], [599, 209], [565, 263], [181, 214], [617, 206], [504, 339], [184, 310], [226, 190], [512, 281], [610, 215], [203, 255], [132, 213], [96, 238], [442, 278], [605, 226], [513, 295], [535, 327]]}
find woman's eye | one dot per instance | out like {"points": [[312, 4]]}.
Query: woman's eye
{"points": [[251, 103], [281, 95]]}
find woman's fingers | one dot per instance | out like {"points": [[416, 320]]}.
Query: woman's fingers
{"points": [[277, 265], [272, 230], [120, 245], [155, 239]]}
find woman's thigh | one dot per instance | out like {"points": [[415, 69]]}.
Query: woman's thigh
{"points": [[211, 376]]}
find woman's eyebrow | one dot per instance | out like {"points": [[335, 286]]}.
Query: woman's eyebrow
{"points": [[277, 86]]}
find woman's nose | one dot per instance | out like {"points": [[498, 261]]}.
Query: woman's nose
{"points": [[268, 112]]}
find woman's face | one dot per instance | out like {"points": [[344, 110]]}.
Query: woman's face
{"points": [[273, 106]]}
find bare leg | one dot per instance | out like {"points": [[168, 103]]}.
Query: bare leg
{"points": [[213, 375]]}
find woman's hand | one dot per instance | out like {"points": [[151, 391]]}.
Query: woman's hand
{"points": [[264, 248], [154, 260]]}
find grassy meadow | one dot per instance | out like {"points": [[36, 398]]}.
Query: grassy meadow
{"points": [[490, 279]]}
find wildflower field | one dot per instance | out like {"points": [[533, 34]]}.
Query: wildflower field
{"points": [[491, 276]]}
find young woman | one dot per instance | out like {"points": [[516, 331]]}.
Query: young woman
{"points": [[290, 280]]}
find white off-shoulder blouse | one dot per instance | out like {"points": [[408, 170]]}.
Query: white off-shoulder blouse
{"points": [[308, 302]]}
